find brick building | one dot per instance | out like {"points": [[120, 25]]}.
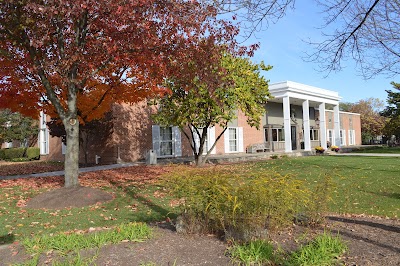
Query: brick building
{"points": [[299, 117]]}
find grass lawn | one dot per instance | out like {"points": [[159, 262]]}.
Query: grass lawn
{"points": [[136, 198], [383, 149], [363, 185]]}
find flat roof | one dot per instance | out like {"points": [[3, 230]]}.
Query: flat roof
{"points": [[304, 92]]}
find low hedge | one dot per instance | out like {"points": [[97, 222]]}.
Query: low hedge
{"points": [[33, 153], [13, 154]]}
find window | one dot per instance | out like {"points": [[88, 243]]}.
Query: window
{"points": [[208, 142], [233, 137], [331, 137], [8, 144], [352, 137], [278, 134], [342, 137], [63, 148], [314, 134], [43, 135], [166, 141]]}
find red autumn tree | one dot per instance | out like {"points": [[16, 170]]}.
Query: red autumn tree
{"points": [[74, 59]]}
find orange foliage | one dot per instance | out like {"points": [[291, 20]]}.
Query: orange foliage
{"points": [[100, 51]]}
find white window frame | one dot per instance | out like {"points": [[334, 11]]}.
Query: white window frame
{"points": [[63, 148], [209, 141], [314, 132], [8, 145], [282, 130], [43, 135], [331, 136], [176, 142], [342, 137], [352, 137], [238, 141]]}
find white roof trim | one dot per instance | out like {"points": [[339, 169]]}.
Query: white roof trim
{"points": [[302, 91], [343, 112]]}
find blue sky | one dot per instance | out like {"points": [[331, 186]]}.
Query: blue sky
{"points": [[282, 46]]}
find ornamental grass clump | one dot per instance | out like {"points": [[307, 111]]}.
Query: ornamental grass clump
{"points": [[241, 207]]}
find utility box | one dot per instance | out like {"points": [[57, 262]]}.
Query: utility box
{"points": [[151, 157]]}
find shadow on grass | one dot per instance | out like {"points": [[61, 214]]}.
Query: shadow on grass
{"points": [[367, 223], [154, 207], [7, 239]]}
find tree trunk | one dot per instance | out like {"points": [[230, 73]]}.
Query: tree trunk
{"points": [[71, 166], [200, 161]]}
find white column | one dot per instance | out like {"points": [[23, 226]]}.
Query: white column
{"points": [[322, 125], [336, 126], [306, 125], [286, 124]]}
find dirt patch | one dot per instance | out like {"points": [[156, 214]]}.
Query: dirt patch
{"points": [[371, 241], [68, 197]]}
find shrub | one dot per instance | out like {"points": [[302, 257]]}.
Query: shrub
{"points": [[2, 154], [274, 156], [13, 153], [33, 153], [325, 249], [17, 154], [241, 207]]}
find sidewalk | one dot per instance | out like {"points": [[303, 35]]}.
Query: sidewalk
{"points": [[367, 154]]}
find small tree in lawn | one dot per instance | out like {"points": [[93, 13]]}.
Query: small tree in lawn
{"points": [[74, 59], [213, 97]]}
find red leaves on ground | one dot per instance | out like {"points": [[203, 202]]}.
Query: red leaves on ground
{"points": [[122, 177]]}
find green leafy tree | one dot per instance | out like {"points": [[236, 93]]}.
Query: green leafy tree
{"points": [[213, 98], [15, 126], [4, 119], [392, 112], [345, 106], [372, 122]]}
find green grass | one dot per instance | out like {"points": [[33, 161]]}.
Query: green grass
{"points": [[258, 252], [131, 204], [64, 243], [363, 185], [324, 250], [382, 149], [68, 246]]}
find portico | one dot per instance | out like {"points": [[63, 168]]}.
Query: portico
{"points": [[304, 115]]}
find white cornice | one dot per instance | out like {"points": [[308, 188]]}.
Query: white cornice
{"points": [[302, 91]]}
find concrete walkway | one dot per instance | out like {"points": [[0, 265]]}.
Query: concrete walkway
{"points": [[81, 170], [367, 154]]}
